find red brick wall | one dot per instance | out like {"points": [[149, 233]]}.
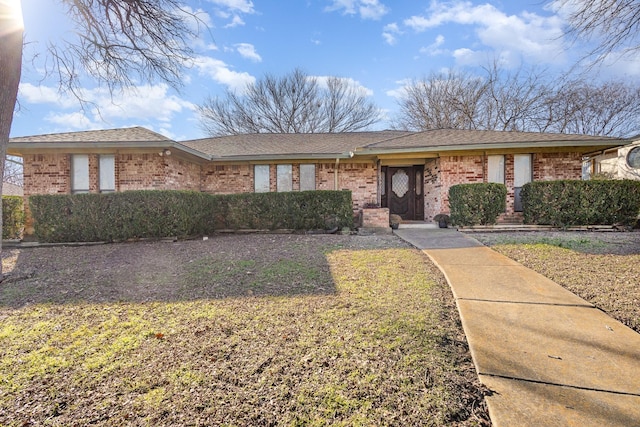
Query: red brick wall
{"points": [[433, 199], [360, 178], [140, 171], [552, 166], [227, 179], [181, 174], [458, 170], [375, 218], [46, 174]]}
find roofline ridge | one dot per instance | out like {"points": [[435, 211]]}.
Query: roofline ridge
{"points": [[409, 133]]}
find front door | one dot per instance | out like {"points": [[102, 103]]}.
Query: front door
{"points": [[403, 192]]}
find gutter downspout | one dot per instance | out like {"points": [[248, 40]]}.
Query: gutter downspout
{"points": [[335, 174]]}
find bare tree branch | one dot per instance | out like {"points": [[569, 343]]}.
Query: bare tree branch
{"points": [[613, 25], [123, 42], [520, 101], [294, 103]]}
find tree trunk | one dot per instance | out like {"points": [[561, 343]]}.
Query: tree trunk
{"points": [[10, 70]]}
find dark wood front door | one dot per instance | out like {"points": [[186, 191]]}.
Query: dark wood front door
{"points": [[403, 192]]}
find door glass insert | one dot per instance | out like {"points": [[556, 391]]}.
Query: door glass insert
{"points": [[521, 169], [400, 183], [418, 183]]}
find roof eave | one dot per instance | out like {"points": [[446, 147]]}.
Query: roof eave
{"points": [[17, 147], [493, 146], [267, 157]]}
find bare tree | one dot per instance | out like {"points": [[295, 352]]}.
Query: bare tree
{"points": [[294, 103], [118, 42], [13, 170], [614, 25], [607, 109], [521, 100], [513, 98], [449, 100]]}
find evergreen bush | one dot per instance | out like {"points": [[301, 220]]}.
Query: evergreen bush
{"points": [[478, 203]]}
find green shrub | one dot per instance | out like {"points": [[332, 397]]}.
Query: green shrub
{"points": [[566, 203], [12, 217], [479, 203], [305, 210], [157, 214], [119, 216]]}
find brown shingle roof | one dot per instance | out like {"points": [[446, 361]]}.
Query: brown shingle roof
{"points": [[134, 134], [457, 137], [269, 144]]}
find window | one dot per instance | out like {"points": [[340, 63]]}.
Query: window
{"points": [[261, 178], [107, 173], [79, 173], [495, 169], [307, 177], [633, 158], [284, 176]]}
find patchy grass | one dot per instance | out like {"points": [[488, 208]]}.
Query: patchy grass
{"points": [[603, 268], [310, 331]]}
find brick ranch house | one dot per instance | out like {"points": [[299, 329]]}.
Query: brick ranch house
{"points": [[408, 172]]}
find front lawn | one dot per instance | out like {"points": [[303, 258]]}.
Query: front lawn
{"points": [[237, 330]]}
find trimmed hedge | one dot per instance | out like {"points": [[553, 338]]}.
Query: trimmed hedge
{"points": [[12, 217], [304, 210], [158, 214], [566, 203], [479, 203]]}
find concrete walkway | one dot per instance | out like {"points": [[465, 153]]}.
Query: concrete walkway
{"points": [[549, 357]]}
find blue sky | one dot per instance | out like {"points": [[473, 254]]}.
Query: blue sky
{"points": [[378, 44]]}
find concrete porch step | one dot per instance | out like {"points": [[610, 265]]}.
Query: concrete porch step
{"points": [[417, 224]]}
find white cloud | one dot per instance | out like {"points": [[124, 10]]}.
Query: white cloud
{"points": [[434, 48], [389, 33], [33, 94], [148, 102], [367, 9], [356, 85], [220, 72], [244, 6], [248, 51], [72, 121], [527, 34], [400, 91], [143, 103], [235, 22]]}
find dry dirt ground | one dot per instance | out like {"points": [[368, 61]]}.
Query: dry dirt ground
{"points": [[601, 267], [242, 330]]}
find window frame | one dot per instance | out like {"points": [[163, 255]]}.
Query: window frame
{"points": [[111, 169], [305, 177], [500, 168], [635, 162], [284, 177], [79, 163], [264, 187]]}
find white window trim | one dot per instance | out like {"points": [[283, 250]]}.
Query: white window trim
{"points": [[311, 169], [497, 161], [103, 179], [263, 188], [284, 177], [79, 163]]}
